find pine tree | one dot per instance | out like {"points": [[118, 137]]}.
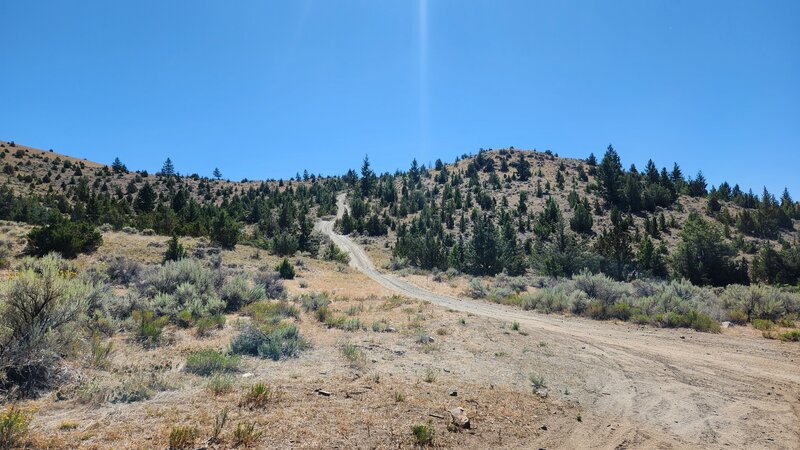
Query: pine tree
{"points": [[483, 253], [523, 168], [615, 244], [145, 201], [217, 174], [367, 178], [168, 170], [582, 221], [175, 250], [610, 177], [118, 167], [285, 270]]}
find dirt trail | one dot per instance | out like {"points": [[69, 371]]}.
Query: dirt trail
{"points": [[647, 387]]}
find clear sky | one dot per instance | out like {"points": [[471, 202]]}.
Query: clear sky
{"points": [[265, 89]]}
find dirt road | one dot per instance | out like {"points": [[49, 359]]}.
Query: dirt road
{"points": [[647, 387]]}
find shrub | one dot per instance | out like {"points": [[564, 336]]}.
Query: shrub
{"points": [[314, 302], [281, 341], [354, 355], [220, 384], [537, 381], [66, 237], [546, 300], [272, 283], [149, 327], [204, 325], [790, 336], [207, 362], [99, 353], [757, 301], [123, 270], [259, 396], [477, 289], [183, 285], [599, 287], [245, 434], [267, 312], [237, 293], [39, 309], [763, 325], [423, 435], [175, 250], [181, 438], [333, 253], [13, 426], [285, 270]]}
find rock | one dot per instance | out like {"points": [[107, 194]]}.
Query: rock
{"points": [[542, 392], [543, 428], [323, 393], [459, 417], [247, 375], [727, 324], [452, 393]]}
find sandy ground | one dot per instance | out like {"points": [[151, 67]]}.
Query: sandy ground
{"points": [[653, 388]]}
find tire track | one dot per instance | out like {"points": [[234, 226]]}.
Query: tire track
{"points": [[659, 388]]}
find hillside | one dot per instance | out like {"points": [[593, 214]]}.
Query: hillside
{"points": [[440, 205], [258, 325], [513, 188]]}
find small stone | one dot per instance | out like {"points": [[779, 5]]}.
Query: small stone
{"points": [[459, 417], [543, 428], [452, 393], [542, 392]]}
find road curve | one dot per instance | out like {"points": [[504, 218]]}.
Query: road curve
{"points": [[652, 388]]}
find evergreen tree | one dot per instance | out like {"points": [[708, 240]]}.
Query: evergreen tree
{"points": [[651, 259], [523, 168], [610, 177], [582, 221], [168, 169], [217, 174], [285, 270], [703, 257], [367, 178], [483, 253], [614, 243], [560, 256], [118, 167], [175, 250], [145, 201]]}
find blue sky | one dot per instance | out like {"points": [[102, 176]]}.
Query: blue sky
{"points": [[265, 89]]}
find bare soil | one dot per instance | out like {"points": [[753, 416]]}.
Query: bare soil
{"points": [[646, 387]]}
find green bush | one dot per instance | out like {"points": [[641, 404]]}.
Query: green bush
{"points": [[39, 312], [175, 250], [259, 396], [208, 362], [204, 325], [149, 327], [272, 283], [790, 336], [66, 237], [423, 435], [183, 285], [237, 293], [13, 426], [181, 438], [280, 341], [285, 270]]}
